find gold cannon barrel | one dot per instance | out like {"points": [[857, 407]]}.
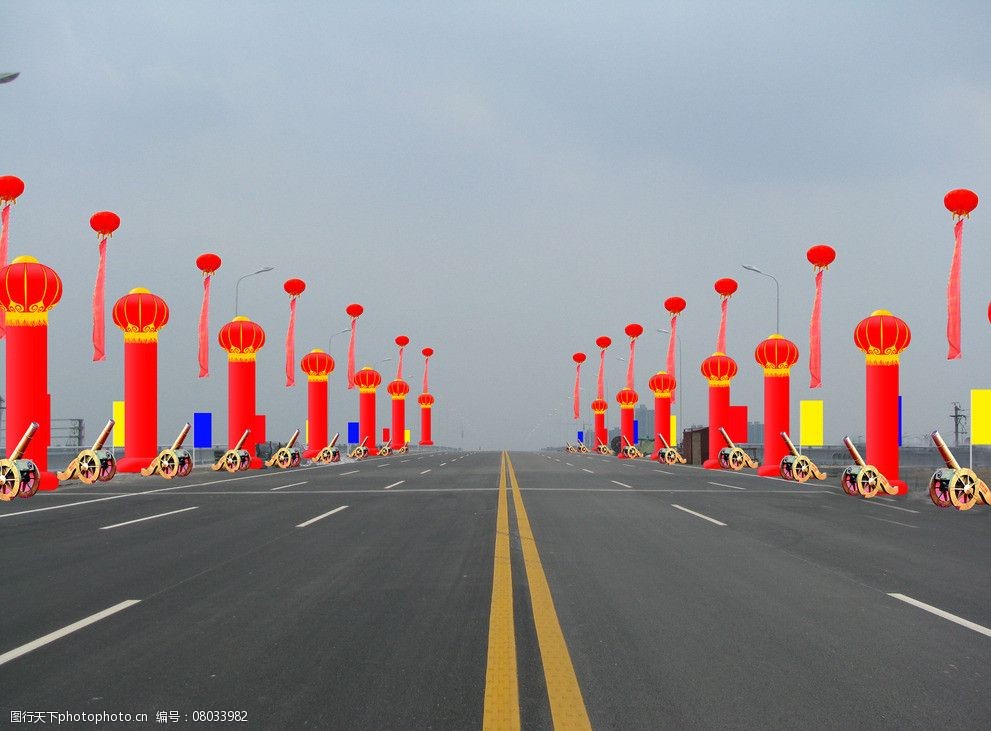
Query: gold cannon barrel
{"points": [[241, 441], [333, 442], [25, 441], [182, 437], [292, 439], [944, 451], [104, 435], [729, 442], [663, 441], [853, 452], [789, 443]]}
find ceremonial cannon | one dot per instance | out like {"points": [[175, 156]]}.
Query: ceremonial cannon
{"points": [[19, 477], [403, 449], [862, 478], [568, 448], [604, 449], [330, 453], [237, 459], [798, 467], [361, 451], [733, 457], [630, 450], [582, 449], [287, 456], [385, 450], [95, 463], [669, 455], [955, 485], [172, 462]]}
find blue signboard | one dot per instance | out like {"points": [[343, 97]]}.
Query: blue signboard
{"points": [[636, 431], [899, 420], [202, 430], [353, 432], [581, 436]]}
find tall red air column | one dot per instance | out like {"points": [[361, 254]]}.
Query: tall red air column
{"points": [[28, 290], [718, 369], [599, 407], [397, 390], [242, 339], [367, 380], [882, 337], [140, 315], [317, 366], [776, 356], [626, 398], [426, 401], [662, 384]]}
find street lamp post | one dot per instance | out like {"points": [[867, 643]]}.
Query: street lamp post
{"points": [[777, 295], [330, 342], [238, 285]]}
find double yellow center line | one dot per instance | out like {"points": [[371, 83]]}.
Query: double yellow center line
{"points": [[502, 698]]}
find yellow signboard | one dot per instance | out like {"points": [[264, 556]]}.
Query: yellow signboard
{"points": [[118, 423], [980, 416], [810, 424]]}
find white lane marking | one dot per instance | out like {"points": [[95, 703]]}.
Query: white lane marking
{"points": [[885, 520], [664, 472], [321, 517], [291, 484], [945, 615], [699, 515], [587, 470], [352, 472], [569, 464], [394, 484], [443, 464], [384, 464], [425, 472], [723, 484], [150, 517], [621, 484], [893, 507], [404, 460], [67, 630]]}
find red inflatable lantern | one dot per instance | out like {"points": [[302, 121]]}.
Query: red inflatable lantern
{"points": [[633, 331], [354, 312], [317, 365], [426, 401], [674, 306], [663, 385], [820, 256], [427, 354], [398, 390], [402, 341], [776, 356], [294, 288], [719, 370], [104, 223], [601, 436], [960, 202], [626, 398], [578, 358], [208, 264], [724, 288], [242, 339], [367, 380], [11, 188]]}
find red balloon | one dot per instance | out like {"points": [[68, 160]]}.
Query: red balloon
{"points": [[821, 255], [603, 342], [578, 357], [294, 287], [354, 310], [674, 305], [634, 330], [725, 286], [104, 222], [960, 202], [427, 352], [402, 341], [11, 187], [208, 263]]}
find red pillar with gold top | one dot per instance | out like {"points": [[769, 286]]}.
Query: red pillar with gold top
{"points": [[426, 401], [317, 365], [599, 407], [242, 339], [662, 384], [398, 389], [367, 380], [626, 398], [776, 355], [718, 369]]}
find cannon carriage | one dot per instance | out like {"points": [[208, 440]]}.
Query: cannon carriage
{"points": [[403, 449], [569, 448], [19, 477], [172, 462], [733, 457], [287, 456], [361, 451], [630, 450], [237, 459], [955, 485], [669, 455], [798, 467], [581, 448], [330, 453], [93, 464], [605, 449], [385, 450], [861, 478]]}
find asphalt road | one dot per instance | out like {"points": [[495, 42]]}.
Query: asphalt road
{"points": [[383, 595]]}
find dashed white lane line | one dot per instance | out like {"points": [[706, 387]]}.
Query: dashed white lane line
{"points": [[933, 610], [699, 515], [664, 472], [894, 522], [569, 464], [67, 630], [425, 472], [321, 517], [723, 484], [587, 470], [394, 484], [621, 484], [403, 460], [352, 472], [893, 507], [150, 517], [443, 464], [291, 484], [384, 464]]}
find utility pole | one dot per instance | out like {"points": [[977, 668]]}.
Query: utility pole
{"points": [[958, 416]]}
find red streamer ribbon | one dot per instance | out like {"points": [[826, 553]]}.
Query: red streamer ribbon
{"points": [[354, 327], [99, 321], [426, 373], [721, 337], [399, 369], [953, 296], [4, 228], [629, 367], [815, 337], [601, 390], [204, 328], [291, 345], [671, 347], [578, 378]]}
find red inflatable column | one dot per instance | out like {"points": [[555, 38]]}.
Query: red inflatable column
{"points": [[28, 290], [776, 356], [718, 370], [242, 339], [397, 390], [599, 407], [626, 398], [140, 314], [663, 385], [367, 380], [882, 337], [426, 401], [317, 365]]}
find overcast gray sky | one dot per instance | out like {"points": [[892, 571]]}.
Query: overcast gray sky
{"points": [[504, 184]]}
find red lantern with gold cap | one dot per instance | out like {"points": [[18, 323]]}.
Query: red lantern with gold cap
{"points": [[242, 339], [354, 311], [719, 370], [633, 331], [426, 402], [208, 264], [578, 358], [104, 223], [28, 292], [401, 342], [820, 257], [398, 389], [776, 355], [294, 288], [601, 435], [674, 306], [662, 384], [317, 365], [140, 315], [961, 203], [11, 188], [725, 288], [626, 398], [367, 380]]}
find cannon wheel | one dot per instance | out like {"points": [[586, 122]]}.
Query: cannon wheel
{"points": [[963, 489], [88, 467], [784, 469], [669, 456], [185, 467], [869, 481], [232, 461], [801, 469], [107, 473], [335, 457], [168, 464], [849, 485], [938, 494], [296, 460], [10, 480], [737, 459], [283, 459], [29, 484], [244, 464]]}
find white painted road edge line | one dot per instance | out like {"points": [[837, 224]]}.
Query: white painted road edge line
{"points": [[621, 484], [394, 484], [699, 515], [425, 472], [321, 517], [589, 471], [929, 608], [150, 517], [723, 484], [292, 484], [59, 633], [352, 472]]}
